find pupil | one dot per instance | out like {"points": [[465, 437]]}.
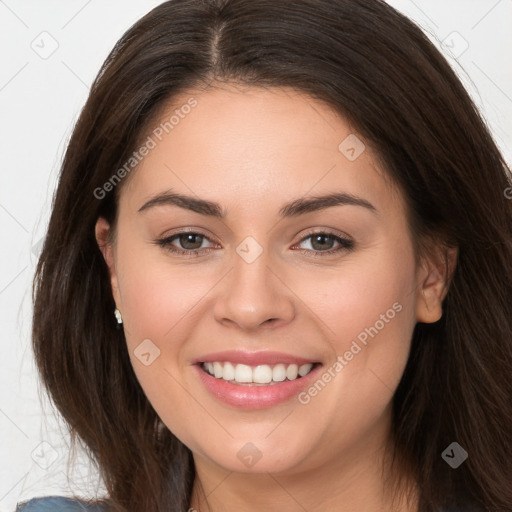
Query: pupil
{"points": [[321, 237], [189, 238]]}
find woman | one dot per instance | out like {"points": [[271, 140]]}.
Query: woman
{"points": [[277, 271]]}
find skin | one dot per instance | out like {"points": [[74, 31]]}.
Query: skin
{"points": [[253, 150]]}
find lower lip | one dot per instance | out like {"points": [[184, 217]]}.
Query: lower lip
{"points": [[256, 397]]}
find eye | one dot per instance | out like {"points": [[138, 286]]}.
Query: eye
{"points": [[322, 243], [190, 243]]}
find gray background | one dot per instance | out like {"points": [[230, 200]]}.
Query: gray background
{"points": [[50, 53]]}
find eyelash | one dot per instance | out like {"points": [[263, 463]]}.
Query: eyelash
{"points": [[345, 244]]}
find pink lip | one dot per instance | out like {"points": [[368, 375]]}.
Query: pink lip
{"points": [[255, 397], [252, 358]]}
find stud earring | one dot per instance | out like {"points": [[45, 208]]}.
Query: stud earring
{"points": [[118, 316]]}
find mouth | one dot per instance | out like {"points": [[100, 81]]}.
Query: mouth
{"points": [[257, 375], [251, 381]]}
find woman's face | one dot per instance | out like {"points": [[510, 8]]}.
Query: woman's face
{"points": [[264, 290]]}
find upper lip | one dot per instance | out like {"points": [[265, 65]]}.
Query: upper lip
{"points": [[253, 358]]}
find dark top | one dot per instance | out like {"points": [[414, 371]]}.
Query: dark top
{"points": [[60, 504], [57, 504]]}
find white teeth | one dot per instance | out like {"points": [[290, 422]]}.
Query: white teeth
{"points": [[229, 372], [292, 371], [261, 374], [217, 370], [305, 369], [279, 373], [243, 373]]}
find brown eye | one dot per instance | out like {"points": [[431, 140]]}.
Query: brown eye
{"points": [[321, 242], [189, 241], [185, 243]]}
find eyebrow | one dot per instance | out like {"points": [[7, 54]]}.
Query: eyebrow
{"points": [[295, 208]]}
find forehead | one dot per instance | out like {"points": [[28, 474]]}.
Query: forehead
{"points": [[250, 144]]}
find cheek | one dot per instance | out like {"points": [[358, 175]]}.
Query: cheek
{"points": [[367, 310], [162, 306], [157, 294], [368, 299], [157, 301], [159, 307]]}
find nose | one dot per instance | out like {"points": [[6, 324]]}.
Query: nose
{"points": [[254, 294]]}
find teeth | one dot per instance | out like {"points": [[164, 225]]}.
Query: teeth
{"points": [[243, 373], [217, 370], [261, 374], [279, 373], [292, 371], [304, 369], [228, 372]]}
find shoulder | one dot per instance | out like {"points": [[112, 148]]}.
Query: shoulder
{"points": [[57, 504]]}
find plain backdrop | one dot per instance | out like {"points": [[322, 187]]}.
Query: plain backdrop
{"points": [[50, 52]]}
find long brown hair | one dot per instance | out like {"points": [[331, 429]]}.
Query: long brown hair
{"points": [[377, 69]]}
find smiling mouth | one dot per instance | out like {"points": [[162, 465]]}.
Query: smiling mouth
{"points": [[259, 375]]}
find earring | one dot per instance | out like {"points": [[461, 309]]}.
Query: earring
{"points": [[119, 318]]}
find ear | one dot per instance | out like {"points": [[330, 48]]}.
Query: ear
{"points": [[102, 232], [433, 282]]}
